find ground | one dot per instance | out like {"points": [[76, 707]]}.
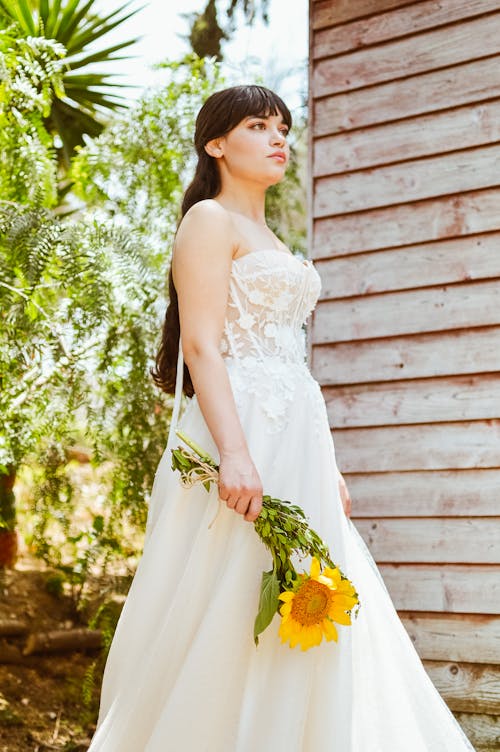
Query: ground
{"points": [[41, 700]]}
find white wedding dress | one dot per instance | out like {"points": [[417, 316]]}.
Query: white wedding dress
{"points": [[183, 673]]}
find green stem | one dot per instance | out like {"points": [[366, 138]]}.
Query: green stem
{"points": [[196, 448]]}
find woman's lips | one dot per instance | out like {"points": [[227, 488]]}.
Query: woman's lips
{"points": [[279, 157]]}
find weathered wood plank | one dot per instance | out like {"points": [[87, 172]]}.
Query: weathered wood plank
{"points": [[392, 24], [474, 638], [466, 687], [463, 127], [428, 92], [403, 182], [423, 401], [452, 588], [417, 356], [423, 447], [401, 225], [407, 312], [424, 264], [439, 48], [482, 730], [326, 13], [456, 540], [439, 493]]}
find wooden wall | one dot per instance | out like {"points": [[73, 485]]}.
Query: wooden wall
{"points": [[405, 339]]}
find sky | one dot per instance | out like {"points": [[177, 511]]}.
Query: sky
{"points": [[278, 48]]}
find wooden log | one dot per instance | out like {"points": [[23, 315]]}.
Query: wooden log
{"points": [[421, 265], [413, 180], [442, 47], [464, 127], [423, 401], [10, 653], [408, 357], [430, 309], [466, 687], [440, 493], [472, 638], [63, 640], [469, 82], [450, 588], [326, 13], [12, 627], [458, 540], [393, 24], [440, 446], [483, 730], [462, 214]]}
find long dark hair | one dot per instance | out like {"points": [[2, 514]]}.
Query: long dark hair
{"points": [[220, 113]]}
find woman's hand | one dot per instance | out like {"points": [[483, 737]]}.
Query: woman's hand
{"points": [[239, 484], [345, 495]]}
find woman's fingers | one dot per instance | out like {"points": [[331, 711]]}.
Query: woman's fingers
{"points": [[254, 508]]}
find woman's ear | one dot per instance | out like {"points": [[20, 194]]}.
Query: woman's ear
{"points": [[214, 148]]}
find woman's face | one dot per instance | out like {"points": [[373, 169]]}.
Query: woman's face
{"points": [[256, 149]]}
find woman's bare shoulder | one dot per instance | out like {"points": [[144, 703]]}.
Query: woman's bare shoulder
{"points": [[206, 228], [207, 210]]}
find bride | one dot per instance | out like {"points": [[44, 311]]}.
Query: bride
{"points": [[183, 673]]}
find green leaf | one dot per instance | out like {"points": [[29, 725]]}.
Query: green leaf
{"points": [[52, 18], [268, 602], [95, 30], [102, 55], [24, 13]]}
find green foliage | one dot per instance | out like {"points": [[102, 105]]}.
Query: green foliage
{"points": [[31, 70], [105, 619], [79, 329], [58, 284], [81, 99], [136, 171]]}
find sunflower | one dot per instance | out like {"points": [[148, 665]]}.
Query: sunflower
{"points": [[309, 610]]}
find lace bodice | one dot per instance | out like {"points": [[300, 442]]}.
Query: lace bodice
{"points": [[271, 294]]}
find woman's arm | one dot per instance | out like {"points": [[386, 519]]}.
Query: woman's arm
{"points": [[201, 268], [344, 494]]}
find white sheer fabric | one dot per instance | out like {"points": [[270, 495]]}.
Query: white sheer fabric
{"points": [[183, 672]]}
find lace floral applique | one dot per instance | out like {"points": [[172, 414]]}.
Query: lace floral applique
{"points": [[270, 297]]}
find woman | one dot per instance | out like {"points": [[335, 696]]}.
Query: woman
{"points": [[183, 672]]}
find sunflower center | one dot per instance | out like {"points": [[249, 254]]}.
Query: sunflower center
{"points": [[311, 602]]}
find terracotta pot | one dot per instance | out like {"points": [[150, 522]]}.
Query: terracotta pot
{"points": [[8, 534]]}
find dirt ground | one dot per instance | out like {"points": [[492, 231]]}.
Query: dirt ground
{"points": [[41, 700]]}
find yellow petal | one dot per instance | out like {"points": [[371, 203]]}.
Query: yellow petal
{"points": [[346, 587], [329, 630], [315, 634], [343, 602], [285, 609], [315, 568], [340, 617], [287, 595], [333, 574]]}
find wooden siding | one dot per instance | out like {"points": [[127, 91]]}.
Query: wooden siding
{"points": [[405, 339]]}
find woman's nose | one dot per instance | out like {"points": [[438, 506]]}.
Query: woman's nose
{"points": [[278, 138]]}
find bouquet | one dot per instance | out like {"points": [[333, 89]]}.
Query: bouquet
{"points": [[309, 604]]}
